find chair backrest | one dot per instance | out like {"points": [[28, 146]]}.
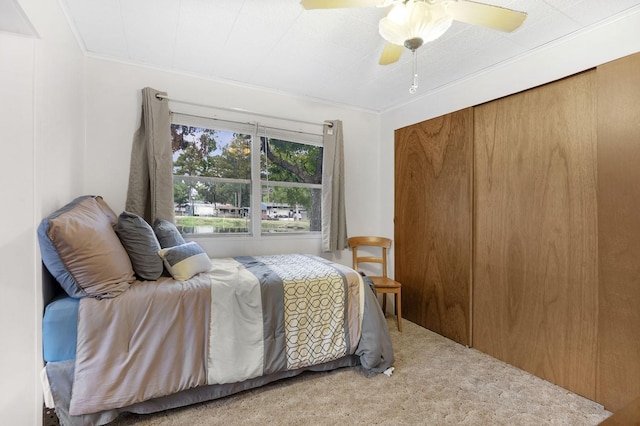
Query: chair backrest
{"points": [[383, 243]]}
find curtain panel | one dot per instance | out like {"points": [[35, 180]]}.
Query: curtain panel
{"points": [[334, 217], [150, 192]]}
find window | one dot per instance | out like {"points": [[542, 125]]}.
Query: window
{"points": [[223, 169], [291, 185]]}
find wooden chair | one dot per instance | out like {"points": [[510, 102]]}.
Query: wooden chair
{"points": [[382, 284]]}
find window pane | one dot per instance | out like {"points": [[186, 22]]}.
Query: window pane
{"points": [[290, 209], [212, 172], [284, 161], [225, 215], [213, 180], [200, 151], [291, 173]]}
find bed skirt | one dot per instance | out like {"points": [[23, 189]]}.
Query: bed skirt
{"points": [[61, 374]]}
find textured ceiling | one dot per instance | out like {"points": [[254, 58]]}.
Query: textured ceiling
{"points": [[14, 20], [331, 55]]}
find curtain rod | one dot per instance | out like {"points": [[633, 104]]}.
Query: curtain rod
{"points": [[249, 122], [244, 111]]}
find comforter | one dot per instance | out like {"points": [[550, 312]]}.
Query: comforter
{"points": [[247, 317]]}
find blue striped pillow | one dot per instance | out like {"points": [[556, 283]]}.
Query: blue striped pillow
{"points": [[185, 261]]}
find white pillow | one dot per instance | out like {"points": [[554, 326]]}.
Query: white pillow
{"points": [[185, 261]]}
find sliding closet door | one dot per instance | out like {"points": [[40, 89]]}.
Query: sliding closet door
{"points": [[619, 231], [535, 231], [433, 165]]}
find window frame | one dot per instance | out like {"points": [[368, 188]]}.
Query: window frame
{"points": [[257, 131]]}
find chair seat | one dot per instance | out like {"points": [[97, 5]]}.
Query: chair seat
{"points": [[385, 283]]}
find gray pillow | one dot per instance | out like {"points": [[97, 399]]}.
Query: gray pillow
{"points": [[141, 245], [167, 233]]}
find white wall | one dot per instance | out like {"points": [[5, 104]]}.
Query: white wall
{"points": [[41, 120], [573, 54], [113, 115], [17, 248]]}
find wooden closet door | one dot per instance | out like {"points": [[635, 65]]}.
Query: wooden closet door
{"points": [[619, 231], [535, 225], [433, 223]]}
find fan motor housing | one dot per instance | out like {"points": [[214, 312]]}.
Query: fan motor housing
{"points": [[413, 43]]}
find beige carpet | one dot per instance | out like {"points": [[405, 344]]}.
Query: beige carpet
{"points": [[435, 382]]}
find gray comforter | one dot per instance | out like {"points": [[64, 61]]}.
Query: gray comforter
{"points": [[249, 320]]}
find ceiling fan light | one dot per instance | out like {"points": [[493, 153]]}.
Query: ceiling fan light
{"points": [[441, 20], [393, 26], [414, 20]]}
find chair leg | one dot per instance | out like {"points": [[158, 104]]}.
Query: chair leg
{"points": [[384, 303], [395, 304], [399, 310]]}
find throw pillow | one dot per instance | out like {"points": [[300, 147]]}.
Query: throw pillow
{"points": [[185, 261], [82, 251], [141, 244], [167, 233]]}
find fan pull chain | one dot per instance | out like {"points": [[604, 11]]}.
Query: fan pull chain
{"points": [[414, 86]]}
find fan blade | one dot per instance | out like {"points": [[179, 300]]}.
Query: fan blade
{"points": [[486, 15], [390, 54], [337, 4]]}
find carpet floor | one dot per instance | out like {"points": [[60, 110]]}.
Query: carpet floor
{"points": [[436, 382]]}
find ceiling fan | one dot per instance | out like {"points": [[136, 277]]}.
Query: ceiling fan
{"points": [[411, 23]]}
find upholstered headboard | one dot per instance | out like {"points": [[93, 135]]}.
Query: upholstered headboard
{"points": [[50, 287]]}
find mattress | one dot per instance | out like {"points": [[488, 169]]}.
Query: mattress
{"points": [[59, 329]]}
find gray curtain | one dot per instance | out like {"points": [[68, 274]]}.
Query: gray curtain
{"points": [[334, 217], [150, 192]]}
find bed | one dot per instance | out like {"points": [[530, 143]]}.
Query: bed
{"points": [[137, 319]]}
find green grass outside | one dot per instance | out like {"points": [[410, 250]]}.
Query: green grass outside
{"points": [[235, 225]]}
